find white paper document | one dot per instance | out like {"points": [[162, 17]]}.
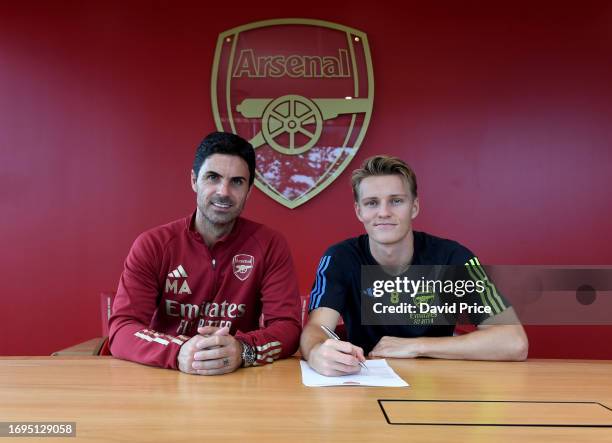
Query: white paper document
{"points": [[379, 373]]}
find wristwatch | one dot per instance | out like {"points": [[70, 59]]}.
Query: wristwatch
{"points": [[248, 355]]}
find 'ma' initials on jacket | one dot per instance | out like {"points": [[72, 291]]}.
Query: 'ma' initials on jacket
{"points": [[172, 286]]}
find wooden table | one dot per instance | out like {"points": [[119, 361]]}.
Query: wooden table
{"points": [[114, 400]]}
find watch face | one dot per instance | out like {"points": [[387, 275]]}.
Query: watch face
{"points": [[248, 355], [251, 355]]}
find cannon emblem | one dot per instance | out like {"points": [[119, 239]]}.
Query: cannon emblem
{"points": [[294, 114], [301, 91]]}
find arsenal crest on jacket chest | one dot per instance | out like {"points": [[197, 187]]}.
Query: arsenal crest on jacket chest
{"points": [[242, 265]]}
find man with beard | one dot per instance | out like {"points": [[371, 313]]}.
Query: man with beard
{"points": [[193, 291]]}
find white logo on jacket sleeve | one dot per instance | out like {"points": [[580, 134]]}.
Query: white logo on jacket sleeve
{"points": [[242, 265]]}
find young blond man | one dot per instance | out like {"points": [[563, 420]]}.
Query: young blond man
{"points": [[386, 202]]}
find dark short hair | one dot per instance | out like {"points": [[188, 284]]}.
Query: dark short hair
{"points": [[383, 165], [228, 144]]}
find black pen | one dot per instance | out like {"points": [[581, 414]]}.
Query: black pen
{"points": [[331, 334]]}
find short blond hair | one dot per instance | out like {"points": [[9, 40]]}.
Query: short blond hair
{"points": [[383, 165]]}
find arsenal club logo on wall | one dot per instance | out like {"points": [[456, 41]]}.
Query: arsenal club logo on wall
{"points": [[301, 91]]}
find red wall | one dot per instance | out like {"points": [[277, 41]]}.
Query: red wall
{"points": [[504, 111]]}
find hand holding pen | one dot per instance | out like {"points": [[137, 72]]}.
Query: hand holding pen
{"points": [[335, 357], [331, 334]]}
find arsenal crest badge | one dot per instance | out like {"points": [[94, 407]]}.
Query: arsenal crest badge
{"points": [[301, 91], [242, 265]]}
